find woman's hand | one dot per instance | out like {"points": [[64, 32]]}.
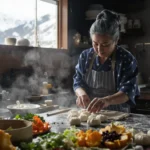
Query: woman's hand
{"points": [[83, 101], [97, 104]]}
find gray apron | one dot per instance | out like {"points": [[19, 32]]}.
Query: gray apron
{"points": [[102, 83]]}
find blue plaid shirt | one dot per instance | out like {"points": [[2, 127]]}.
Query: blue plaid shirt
{"points": [[126, 71]]}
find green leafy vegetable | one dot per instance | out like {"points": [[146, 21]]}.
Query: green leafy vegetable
{"points": [[28, 116], [71, 133], [50, 141]]}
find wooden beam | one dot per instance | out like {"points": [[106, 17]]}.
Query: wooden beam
{"points": [[63, 24]]}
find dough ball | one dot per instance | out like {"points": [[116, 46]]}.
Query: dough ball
{"points": [[72, 115], [83, 117], [102, 118], [142, 139], [84, 111], [74, 121], [73, 111], [93, 121]]}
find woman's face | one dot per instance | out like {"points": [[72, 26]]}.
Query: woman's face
{"points": [[103, 45]]}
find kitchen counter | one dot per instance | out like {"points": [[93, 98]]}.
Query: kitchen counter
{"points": [[59, 122]]}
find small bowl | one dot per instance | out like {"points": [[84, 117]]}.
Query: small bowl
{"points": [[49, 102], [21, 130]]}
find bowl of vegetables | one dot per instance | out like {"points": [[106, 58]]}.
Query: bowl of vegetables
{"points": [[39, 125], [20, 130]]}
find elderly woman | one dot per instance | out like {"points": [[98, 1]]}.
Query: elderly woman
{"points": [[105, 75]]}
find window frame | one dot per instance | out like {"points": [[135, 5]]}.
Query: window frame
{"points": [[62, 25]]}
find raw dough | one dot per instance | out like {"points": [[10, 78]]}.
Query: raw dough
{"points": [[74, 121], [84, 111], [93, 121], [83, 117], [142, 139], [72, 113], [102, 118]]}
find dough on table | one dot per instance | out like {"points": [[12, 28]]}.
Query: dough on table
{"points": [[73, 111], [83, 117], [93, 121], [84, 111], [142, 139], [74, 121], [72, 115], [102, 118]]}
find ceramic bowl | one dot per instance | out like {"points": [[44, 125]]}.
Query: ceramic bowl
{"points": [[20, 130], [23, 108]]}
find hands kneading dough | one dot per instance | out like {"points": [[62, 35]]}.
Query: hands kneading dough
{"points": [[76, 117]]}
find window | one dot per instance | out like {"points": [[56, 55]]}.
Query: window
{"points": [[35, 20]]}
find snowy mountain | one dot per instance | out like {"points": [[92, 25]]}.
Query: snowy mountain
{"points": [[47, 29]]}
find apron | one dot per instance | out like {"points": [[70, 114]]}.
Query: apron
{"points": [[102, 83]]}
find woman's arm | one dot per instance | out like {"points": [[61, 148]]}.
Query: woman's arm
{"points": [[117, 98]]}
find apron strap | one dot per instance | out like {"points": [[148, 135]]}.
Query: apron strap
{"points": [[92, 61], [113, 60]]}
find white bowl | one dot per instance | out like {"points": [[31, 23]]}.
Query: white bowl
{"points": [[23, 108]]}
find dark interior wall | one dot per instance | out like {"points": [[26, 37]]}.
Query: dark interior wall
{"points": [[77, 19], [139, 9], [142, 52]]}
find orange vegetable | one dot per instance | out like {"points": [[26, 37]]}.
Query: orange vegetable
{"points": [[89, 138], [39, 126], [81, 139], [93, 138]]}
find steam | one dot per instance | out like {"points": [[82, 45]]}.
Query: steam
{"points": [[46, 64]]}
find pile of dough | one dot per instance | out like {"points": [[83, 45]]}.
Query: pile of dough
{"points": [[142, 139], [83, 115], [102, 118], [84, 111], [74, 121], [93, 121], [73, 113]]}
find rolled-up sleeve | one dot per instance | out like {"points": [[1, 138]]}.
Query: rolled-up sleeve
{"points": [[128, 83], [78, 81]]}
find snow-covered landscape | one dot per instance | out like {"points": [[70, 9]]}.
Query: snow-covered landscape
{"points": [[22, 25]]}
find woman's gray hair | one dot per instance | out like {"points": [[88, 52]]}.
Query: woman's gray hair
{"points": [[107, 22]]}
